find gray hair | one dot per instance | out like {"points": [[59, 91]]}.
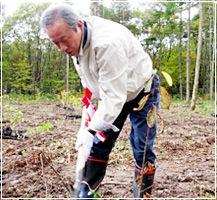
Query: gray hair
{"points": [[59, 11]]}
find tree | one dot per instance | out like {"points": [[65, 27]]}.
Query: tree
{"points": [[22, 44], [180, 52], [188, 54], [67, 74], [211, 50], [31, 63], [95, 8], [199, 49], [158, 27]]}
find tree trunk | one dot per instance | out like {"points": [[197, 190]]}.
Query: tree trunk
{"points": [[211, 50], [188, 55], [160, 44], [67, 73], [180, 55], [94, 8], [197, 68]]}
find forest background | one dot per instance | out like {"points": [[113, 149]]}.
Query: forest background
{"points": [[181, 39], [168, 31]]}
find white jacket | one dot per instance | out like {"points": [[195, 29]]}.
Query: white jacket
{"points": [[113, 66]]}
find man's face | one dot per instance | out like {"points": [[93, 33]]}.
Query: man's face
{"points": [[66, 39]]}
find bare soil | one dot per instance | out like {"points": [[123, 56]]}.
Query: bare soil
{"points": [[40, 165]]}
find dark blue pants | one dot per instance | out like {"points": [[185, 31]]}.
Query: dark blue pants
{"points": [[139, 129]]}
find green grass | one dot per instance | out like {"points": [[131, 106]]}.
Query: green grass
{"points": [[14, 98], [62, 98], [203, 107]]}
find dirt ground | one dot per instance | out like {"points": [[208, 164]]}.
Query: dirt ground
{"points": [[40, 165]]}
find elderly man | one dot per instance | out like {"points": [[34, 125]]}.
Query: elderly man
{"points": [[114, 67]]}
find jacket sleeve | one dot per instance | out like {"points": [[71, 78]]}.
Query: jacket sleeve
{"points": [[112, 65]]}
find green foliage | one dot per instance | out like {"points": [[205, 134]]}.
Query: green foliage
{"points": [[135, 24], [203, 107], [30, 61], [32, 65], [171, 66], [119, 146], [24, 153], [67, 98], [162, 150], [95, 194], [44, 127], [165, 97], [14, 98], [151, 116], [13, 115], [167, 77]]}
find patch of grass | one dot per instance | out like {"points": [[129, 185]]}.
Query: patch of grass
{"points": [[15, 98], [203, 107], [67, 98], [63, 98]]}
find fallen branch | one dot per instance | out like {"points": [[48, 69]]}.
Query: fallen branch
{"points": [[42, 155]]}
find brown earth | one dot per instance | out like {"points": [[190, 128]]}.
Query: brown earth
{"points": [[33, 167]]}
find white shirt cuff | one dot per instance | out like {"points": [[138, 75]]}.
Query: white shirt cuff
{"points": [[98, 124]]}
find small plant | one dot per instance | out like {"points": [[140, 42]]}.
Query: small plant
{"points": [[67, 98], [16, 117], [95, 194], [153, 113], [30, 194], [165, 97], [13, 115], [52, 143], [23, 153], [44, 127], [162, 150], [119, 146], [31, 130]]}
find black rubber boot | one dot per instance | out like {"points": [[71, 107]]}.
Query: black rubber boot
{"points": [[143, 189], [94, 173]]}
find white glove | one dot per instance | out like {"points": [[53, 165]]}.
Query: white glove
{"points": [[85, 138]]}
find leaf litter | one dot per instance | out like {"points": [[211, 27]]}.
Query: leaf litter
{"points": [[185, 156]]}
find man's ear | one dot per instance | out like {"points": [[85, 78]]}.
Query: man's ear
{"points": [[80, 24]]}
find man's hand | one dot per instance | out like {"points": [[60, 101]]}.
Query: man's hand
{"points": [[85, 138]]}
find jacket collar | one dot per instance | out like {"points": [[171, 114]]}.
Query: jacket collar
{"points": [[85, 38]]}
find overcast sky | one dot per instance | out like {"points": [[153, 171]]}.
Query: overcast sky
{"points": [[82, 6], [13, 5]]}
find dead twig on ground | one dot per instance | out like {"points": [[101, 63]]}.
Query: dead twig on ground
{"points": [[44, 156]]}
